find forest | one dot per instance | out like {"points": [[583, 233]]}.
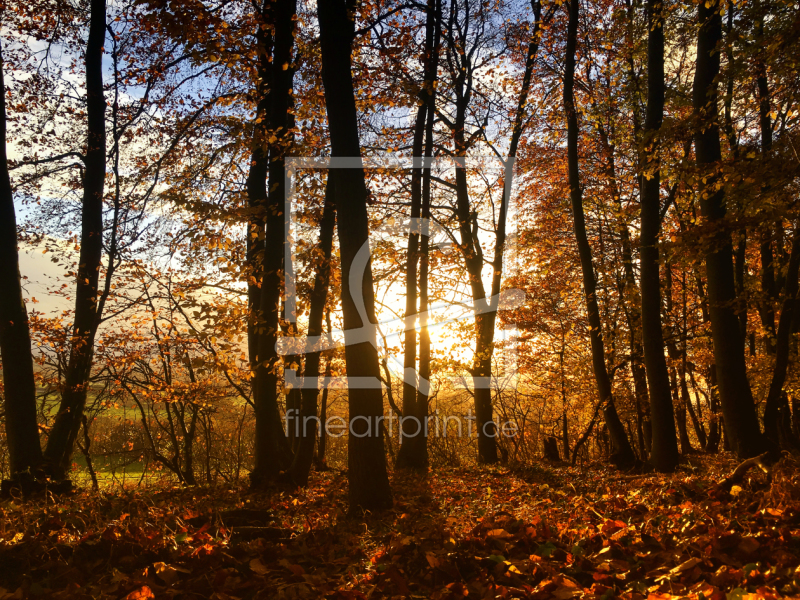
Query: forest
{"points": [[357, 299]]}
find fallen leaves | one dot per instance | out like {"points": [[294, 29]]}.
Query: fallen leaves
{"points": [[552, 534]]}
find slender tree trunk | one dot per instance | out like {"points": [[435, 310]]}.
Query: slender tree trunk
{"points": [[256, 184], [66, 426], [189, 434], [623, 453], [633, 314], [85, 448], [733, 144], [564, 405], [664, 450], [715, 425], [411, 429], [741, 421], [423, 390], [273, 453], [687, 399], [413, 452], [323, 416], [782, 350], [630, 293], [319, 297], [19, 402], [768, 281], [369, 482]]}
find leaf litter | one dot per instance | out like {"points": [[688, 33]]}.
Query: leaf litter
{"points": [[542, 532]]}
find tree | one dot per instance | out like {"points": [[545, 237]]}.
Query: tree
{"points": [[304, 455], [413, 451], [369, 483], [664, 447], [19, 388], [271, 139], [741, 421], [623, 453], [60, 442]]}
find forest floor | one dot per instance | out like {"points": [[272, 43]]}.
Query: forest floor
{"points": [[541, 532]]}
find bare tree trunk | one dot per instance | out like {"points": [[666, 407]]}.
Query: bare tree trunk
{"points": [[369, 482], [623, 453], [85, 449], [323, 410], [423, 391], [741, 421], [256, 184], [782, 350], [273, 453], [304, 455], [768, 281], [61, 441], [413, 447], [413, 452], [19, 402], [664, 449]]}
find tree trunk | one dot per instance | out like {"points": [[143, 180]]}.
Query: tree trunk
{"points": [[664, 450], [741, 421], [782, 350], [564, 403], [413, 452], [19, 402], [680, 413], [714, 426], [623, 453], [85, 449], [60, 443], [768, 282], [424, 388], [369, 482], [410, 427], [413, 439], [256, 184], [319, 461], [319, 297], [273, 453]]}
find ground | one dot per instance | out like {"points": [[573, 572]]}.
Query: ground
{"points": [[538, 532]]}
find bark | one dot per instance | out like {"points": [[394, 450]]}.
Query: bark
{"points": [[410, 427], [319, 297], [638, 370], [413, 451], [768, 282], [19, 402], [256, 184], [85, 448], [61, 442], [564, 404], [680, 413], [623, 453], [470, 246], [715, 425], [664, 446], [319, 460], [782, 350], [423, 391], [630, 291], [273, 453], [369, 483], [684, 367], [739, 260], [741, 422]]}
